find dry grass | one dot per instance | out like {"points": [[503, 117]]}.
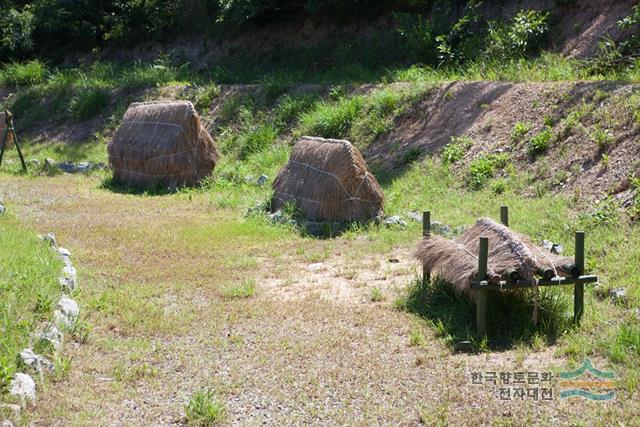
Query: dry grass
{"points": [[153, 281]]}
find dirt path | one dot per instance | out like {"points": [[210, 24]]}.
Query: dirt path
{"points": [[310, 347]]}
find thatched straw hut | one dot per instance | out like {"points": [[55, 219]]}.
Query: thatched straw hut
{"points": [[161, 143], [328, 180], [510, 255]]}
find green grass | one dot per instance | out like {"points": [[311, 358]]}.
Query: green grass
{"points": [[455, 149], [23, 74], [520, 130], [28, 290], [245, 289], [204, 409], [540, 142]]}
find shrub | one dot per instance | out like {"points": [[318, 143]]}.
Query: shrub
{"points": [[23, 74], [88, 102], [602, 137], [524, 35], [454, 151], [541, 142], [16, 28], [520, 129], [483, 167]]}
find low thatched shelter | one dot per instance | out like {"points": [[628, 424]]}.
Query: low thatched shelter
{"points": [[511, 255], [328, 180], [161, 143]]}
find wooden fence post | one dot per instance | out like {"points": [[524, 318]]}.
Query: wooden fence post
{"points": [[578, 288], [426, 233], [481, 313], [504, 215]]}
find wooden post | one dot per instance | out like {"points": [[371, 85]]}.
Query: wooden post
{"points": [[481, 313], [426, 233], [504, 215], [9, 128], [578, 288]]}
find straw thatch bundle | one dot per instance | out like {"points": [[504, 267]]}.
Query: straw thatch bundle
{"points": [[161, 143], [3, 128], [328, 180], [510, 255]]}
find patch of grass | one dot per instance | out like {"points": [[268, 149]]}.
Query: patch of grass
{"points": [[88, 102], [520, 130], [28, 290], [541, 142], [416, 339], [376, 295], [330, 119], [257, 140], [204, 97], [246, 289], [204, 409], [455, 149], [23, 73]]}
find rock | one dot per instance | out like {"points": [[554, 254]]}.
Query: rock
{"points": [[262, 179], [554, 248], [316, 267], [440, 228], [68, 167], [35, 163], [66, 313], [51, 335], [51, 239], [6, 423], [394, 220], [10, 410], [49, 163], [83, 167], [99, 166], [23, 387], [2, 208], [35, 361], [416, 216], [618, 296], [64, 252], [394, 260], [637, 311]]}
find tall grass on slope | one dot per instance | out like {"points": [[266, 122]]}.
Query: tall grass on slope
{"points": [[28, 290]]}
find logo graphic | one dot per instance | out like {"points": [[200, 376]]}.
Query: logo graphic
{"points": [[595, 384]]}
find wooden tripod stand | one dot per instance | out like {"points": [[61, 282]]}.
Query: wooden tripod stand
{"points": [[9, 130]]}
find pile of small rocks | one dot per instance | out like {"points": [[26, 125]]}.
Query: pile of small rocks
{"points": [[23, 387], [68, 166]]}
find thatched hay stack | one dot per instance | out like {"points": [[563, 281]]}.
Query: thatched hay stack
{"points": [[161, 143], [456, 261], [328, 180], [3, 128]]}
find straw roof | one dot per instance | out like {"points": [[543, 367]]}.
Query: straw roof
{"points": [[328, 180], [456, 261], [161, 143]]}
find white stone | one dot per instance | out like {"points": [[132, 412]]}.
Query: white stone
{"points": [[7, 423], [51, 239], [316, 267], [64, 252], [66, 313], [23, 387], [51, 334], [35, 361]]}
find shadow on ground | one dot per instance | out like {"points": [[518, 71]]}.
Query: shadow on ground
{"points": [[509, 316]]}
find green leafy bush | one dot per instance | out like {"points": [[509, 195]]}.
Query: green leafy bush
{"points": [[524, 35], [16, 32], [483, 168], [204, 409], [541, 142], [520, 129], [454, 151]]}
